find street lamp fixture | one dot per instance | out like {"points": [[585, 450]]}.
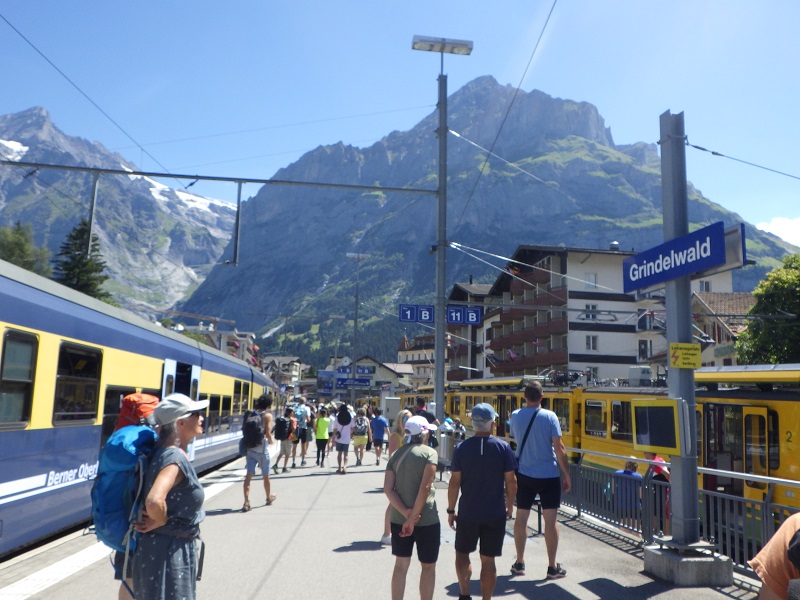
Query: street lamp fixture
{"points": [[449, 46]]}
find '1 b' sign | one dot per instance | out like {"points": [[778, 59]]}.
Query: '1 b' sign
{"points": [[456, 315]]}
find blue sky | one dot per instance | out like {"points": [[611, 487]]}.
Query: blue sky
{"points": [[245, 88]]}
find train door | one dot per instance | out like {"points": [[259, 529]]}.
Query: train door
{"points": [[723, 448], [504, 414], [755, 441], [180, 378]]}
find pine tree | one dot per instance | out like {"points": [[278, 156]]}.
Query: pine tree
{"points": [[75, 269], [775, 340], [17, 247]]}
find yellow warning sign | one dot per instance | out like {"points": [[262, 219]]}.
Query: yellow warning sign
{"points": [[684, 356]]}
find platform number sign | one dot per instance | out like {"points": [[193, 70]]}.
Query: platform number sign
{"points": [[456, 315]]}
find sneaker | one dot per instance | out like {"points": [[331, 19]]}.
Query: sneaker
{"points": [[556, 572], [302, 463], [294, 465], [464, 597], [377, 462], [285, 470], [518, 568], [358, 463], [386, 540], [275, 469]]}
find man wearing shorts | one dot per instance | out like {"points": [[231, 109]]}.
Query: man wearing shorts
{"points": [[540, 454], [483, 470], [303, 416], [260, 454]]}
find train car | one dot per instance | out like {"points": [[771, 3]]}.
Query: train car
{"points": [[66, 361]]}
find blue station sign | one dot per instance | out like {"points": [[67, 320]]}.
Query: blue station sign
{"points": [[697, 251]]}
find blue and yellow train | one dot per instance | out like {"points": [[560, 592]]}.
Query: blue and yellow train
{"points": [[66, 361]]}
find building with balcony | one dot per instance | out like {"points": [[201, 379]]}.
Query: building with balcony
{"points": [[418, 353], [563, 309], [465, 342]]}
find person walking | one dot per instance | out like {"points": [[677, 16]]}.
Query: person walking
{"points": [[483, 470], [408, 484], [259, 455], [362, 435], [302, 416], [379, 425], [284, 431], [343, 432], [165, 562], [321, 434], [540, 455]]}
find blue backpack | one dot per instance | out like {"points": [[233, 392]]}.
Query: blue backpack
{"points": [[118, 485]]}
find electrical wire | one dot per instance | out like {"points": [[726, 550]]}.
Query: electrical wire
{"points": [[505, 116], [744, 162]]}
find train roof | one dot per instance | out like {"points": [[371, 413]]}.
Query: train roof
{"points": [[788, 373]]}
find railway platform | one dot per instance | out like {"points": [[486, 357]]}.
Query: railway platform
{"points": [[321, 539]]}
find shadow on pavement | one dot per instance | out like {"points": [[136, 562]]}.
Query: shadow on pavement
{"points": [[360, 547]]}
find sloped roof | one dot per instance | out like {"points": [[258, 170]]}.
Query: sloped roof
{"points": [[729, 307]]}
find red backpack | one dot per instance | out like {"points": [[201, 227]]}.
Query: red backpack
{"points": [[136, 409]]}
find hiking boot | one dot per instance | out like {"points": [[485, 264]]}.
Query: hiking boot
{"points": [[556, 572], [518, 568]]}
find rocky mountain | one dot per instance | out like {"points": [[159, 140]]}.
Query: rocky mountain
{"points": [[561, 180], [159, 243]]}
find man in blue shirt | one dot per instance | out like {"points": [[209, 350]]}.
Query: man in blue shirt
{"points": [[483, 470], [540, 454], [379, 426]]}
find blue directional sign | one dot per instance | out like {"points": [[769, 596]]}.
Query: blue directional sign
{"points": [[473, 315], [697, 251], [455, 315]]}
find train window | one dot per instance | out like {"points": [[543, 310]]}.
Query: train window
{"points": [[755, 449], [561, 408], [214, 408], [77, 384], [246, 397], [457, 405], [773, 441], [596, 418], [237, 397], [621, 421], [225, 414], [469, 401], [16, 377], [169, 385]]}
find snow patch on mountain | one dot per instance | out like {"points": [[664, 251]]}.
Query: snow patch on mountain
{"points": [[12, 150]]}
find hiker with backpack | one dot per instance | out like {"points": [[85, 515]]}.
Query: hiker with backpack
{"points": [[361, 435], [257, 438], [165, 564], [302, 416], [284, 429]]}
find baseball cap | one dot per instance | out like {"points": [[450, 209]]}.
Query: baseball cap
{"points": [[176, 406], [483, 412], [417, 424]]}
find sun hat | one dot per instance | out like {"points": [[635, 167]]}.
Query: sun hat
{"points": [[483, 412], [176, 406], [417, 424]]}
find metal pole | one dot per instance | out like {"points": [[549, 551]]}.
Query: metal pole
{"points": [[355, 338], [440, 316], [680, 382]]}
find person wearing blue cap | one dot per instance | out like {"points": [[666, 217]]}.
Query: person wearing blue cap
{"points": [[483, 470]]}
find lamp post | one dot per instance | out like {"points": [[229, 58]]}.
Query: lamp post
{"points": [[354, 367], [450, 46]]}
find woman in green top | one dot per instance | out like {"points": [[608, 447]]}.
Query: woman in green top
{"points": [[408, 483], [321, 434]]}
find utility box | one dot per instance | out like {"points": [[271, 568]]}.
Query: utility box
{"points": [[640, 376], [390, 406]]}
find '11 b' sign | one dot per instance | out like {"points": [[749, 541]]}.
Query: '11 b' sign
{"points": [[456, 315]]}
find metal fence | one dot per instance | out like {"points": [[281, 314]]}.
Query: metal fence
{"points": [[736, 527]]}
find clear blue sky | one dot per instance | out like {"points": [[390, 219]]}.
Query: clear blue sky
{"points": [[245, 88]]}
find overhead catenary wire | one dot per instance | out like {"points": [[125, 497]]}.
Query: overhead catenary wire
{"points": [[744, 162]]}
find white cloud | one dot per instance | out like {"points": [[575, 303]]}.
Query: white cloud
{"points": [[786, 229]]}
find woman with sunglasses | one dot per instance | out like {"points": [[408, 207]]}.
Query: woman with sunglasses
{"points": [[165, 562]]}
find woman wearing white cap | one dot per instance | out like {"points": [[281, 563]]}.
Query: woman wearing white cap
{"points": [[165, 563], [408, 483]]}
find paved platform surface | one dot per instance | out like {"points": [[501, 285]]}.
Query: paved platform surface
{"points": [[321, 539]]}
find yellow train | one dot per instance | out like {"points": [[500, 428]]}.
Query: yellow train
{"points": [[746, 419]]}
